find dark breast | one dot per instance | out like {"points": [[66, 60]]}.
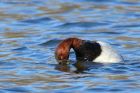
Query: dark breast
{"points": [[88, 51]]}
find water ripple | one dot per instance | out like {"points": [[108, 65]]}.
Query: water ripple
{"points": [[37, 20], [83, 24]]}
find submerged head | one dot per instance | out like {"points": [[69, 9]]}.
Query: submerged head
{"points": [[63, 49]]}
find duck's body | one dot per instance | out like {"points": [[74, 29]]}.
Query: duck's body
{"points": [[108, 54], [95, 51]]}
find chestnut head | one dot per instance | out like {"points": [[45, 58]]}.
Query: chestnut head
{"points": [[63, 49]]}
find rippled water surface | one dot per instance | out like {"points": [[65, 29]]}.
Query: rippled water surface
{"points": [[31, 29]]}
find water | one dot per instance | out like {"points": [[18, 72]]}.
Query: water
{"points": [[31, 29]]}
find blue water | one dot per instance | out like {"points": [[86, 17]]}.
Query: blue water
{"points": [[31, 29]]}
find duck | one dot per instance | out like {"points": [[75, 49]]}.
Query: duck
{"points": [[86, 50]]}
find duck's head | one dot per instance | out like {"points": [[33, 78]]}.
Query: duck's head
{"points": [[63, 49]]}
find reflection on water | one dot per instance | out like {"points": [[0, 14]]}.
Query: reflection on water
{"points": [[30, 30], [78, 67]]}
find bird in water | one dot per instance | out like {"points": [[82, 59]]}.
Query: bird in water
{"points": [[85, 50]]}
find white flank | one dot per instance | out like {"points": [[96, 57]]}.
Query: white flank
{"points": [[108, 54]]}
